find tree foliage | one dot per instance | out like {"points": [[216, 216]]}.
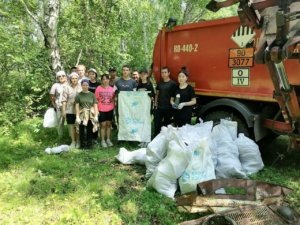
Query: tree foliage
{"points": [[106, 33]]}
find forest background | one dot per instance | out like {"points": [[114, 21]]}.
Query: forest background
{"points": [[40, 37]]}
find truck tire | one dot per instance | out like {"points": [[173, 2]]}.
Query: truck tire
{"points": [[217, 115]]}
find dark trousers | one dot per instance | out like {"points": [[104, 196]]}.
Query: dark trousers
{"points": [[162, 117], [86, 135]]}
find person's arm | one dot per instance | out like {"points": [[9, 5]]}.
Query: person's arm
{"points": [[64, 102], [52, 99], [190, 103], [156, 98], [63, 109], [52, 95], [172, 100], [96, 112], [77, 111]]}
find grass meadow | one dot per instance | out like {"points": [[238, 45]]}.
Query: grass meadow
{"points": [[91, 187]]}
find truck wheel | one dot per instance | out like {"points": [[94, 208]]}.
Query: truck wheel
{"points": [[217, 115]]}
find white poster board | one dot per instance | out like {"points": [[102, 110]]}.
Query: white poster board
{"points": [[134, 116]]}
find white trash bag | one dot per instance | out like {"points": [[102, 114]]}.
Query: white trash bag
{"points": [[132, 157], [226, 153], [200, 168], [164, 178], [232, 127], [58, 149], [156, 151], [249, 154], [50, 118]]}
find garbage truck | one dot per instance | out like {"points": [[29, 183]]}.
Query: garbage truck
{"points": [[245, 68]]}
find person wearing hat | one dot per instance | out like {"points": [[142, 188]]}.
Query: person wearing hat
{"points": [[56, 93], [183, 99], [68, 107], [93, 83], [86, 108], [145, 84], [113, 77]]}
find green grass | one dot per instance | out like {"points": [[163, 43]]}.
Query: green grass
{"points": [[91, 187]]}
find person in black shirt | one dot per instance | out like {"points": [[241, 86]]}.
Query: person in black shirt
{"points": [[93, 83], [162, 105], [183, 99], [146, 85]]}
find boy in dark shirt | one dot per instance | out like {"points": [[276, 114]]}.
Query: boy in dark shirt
{"points": [[163, 108]]}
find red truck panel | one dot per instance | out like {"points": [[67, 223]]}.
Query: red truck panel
{"points": [[203, 48]]}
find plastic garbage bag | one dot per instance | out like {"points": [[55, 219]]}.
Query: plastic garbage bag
{"points": [[58, 149], [200, 168], [164, 178], [132, 157], [156, 151], [226, 153], [231, 126], [249, 154], [50, 118]]}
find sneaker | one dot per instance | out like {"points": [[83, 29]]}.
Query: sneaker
{"points": [[109, 143], [73, 145], [103, 144]]}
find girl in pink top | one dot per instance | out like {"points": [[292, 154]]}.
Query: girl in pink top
{"points": [[105, 95]]}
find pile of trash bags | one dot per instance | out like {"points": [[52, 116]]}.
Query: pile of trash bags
{"points": [[195, 153]]}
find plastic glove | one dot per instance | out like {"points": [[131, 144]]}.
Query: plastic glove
{"points": [[174, 106], [181, 105], [96, 119], [78, 120]]}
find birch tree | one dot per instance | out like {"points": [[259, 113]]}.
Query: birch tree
{"points": [[47, 19]]}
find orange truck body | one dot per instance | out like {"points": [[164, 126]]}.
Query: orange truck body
{"points": [[220, 69]]}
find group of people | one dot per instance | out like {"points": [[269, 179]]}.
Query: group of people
{"points": [[89, 106]]}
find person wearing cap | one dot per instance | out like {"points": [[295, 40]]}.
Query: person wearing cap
{"points": [[56, 93], [146, 85], [86, 109], [183, 99], [93, 83], [68, 107], [113, 77], [81, 69]]}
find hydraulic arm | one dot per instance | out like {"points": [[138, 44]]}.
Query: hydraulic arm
{"points": [[282, 18]]}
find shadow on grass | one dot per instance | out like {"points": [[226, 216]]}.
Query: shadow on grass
{"points": [[276, 153]]}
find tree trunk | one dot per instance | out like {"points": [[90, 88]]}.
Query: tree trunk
{"points": [[49, 29], [48, 21]]}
